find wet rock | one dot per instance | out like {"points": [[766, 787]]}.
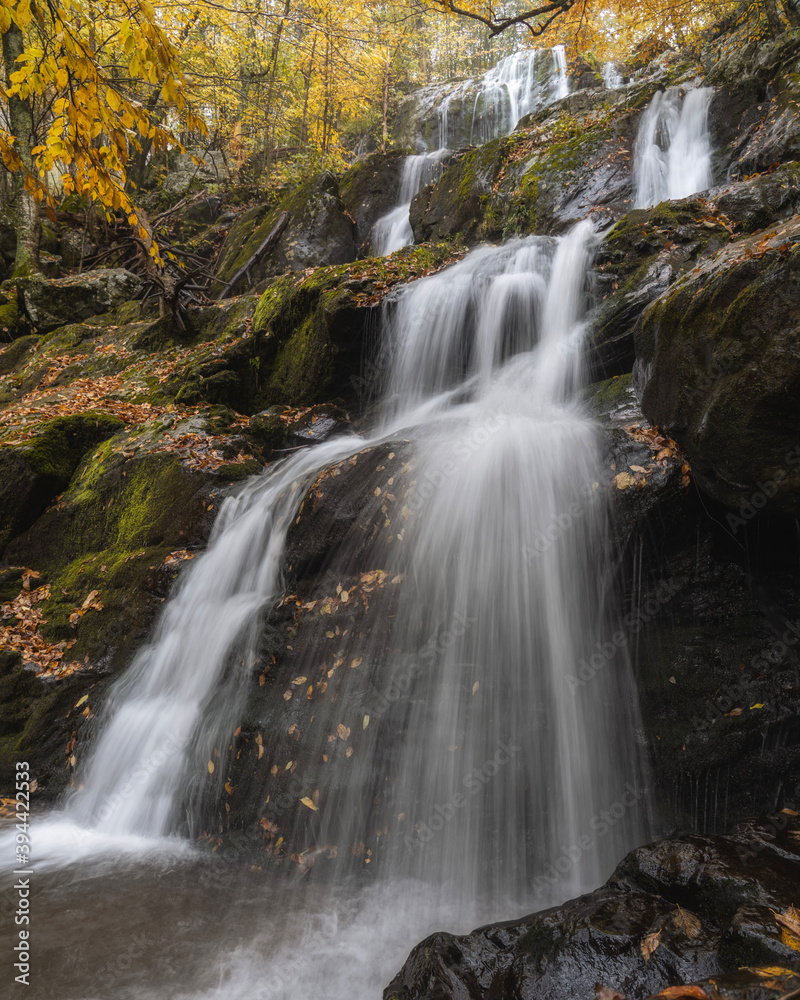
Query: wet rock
{"points": [[311, 719], [718, 369], [638, 260], [283, 429], [757, 203], [676, 912], [51, 304], [369, 189]]}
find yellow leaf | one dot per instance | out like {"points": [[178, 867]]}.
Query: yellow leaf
{"points": [[308, 802], [789, 922], [650, 943], [624, 480], [365, 723], [81, 701], [211, 767]]}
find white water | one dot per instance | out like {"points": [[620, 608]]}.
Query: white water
{"points": [[519, 84], [612, 77], [672, 158], [506, 535], [393, 230]]}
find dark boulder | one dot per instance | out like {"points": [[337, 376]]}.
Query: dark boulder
{"points": [[718, 367], [370, 189], [674, 913], [319, 232]]}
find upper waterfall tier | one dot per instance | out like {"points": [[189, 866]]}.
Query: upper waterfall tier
{"points": [[484, 107], [673, 147]]}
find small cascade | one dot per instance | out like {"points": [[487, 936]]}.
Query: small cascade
{"points": [[672, 158], [393, 230], [612, 78], [182, 695], [519, 84]]}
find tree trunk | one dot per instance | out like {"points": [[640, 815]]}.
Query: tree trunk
{"points": [[20, 114], [385, 134]]}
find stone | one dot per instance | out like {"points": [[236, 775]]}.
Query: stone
{"points": [[51, 304]]}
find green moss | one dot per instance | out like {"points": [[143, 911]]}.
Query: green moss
{"points": [[604, 397], [33, 474], [12, 325], [309, 325]]}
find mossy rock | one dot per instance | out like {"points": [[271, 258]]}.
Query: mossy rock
{"points": [[717, 367], [639, 259], [34, 473], [12, 324], [370, 188], [52, 304], [319, 232]]}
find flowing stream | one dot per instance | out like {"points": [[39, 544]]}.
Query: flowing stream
{"points": [[672, 158], [530, 698]]}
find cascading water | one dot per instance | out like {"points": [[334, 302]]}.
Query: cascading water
{"points": [[612, 78], [513, 779], [672, 158], [393, 230], [516, 86], [519, 84]]}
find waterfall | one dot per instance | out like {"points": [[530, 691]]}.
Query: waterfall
{"points": [[393, 230], [672, 158], [490, 352], [612, 78], [519, 84], [182, 695], [506, 536]]}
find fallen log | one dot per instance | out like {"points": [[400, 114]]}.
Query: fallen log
{"points": [[244, 271]]}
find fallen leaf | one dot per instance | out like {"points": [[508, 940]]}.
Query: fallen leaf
{"points": [[365, 723], [683, 993], [343, 731], [789, 922], [606, 993], [211, 767], [650, 943], [624, 480], [687, 922], [308, 802]]}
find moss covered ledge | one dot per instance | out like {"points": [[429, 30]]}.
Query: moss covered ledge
{"points": [[314, 329]]}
